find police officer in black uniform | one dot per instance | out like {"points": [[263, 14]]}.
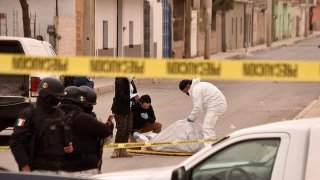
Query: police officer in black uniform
{"points": [[91, 100], [27, 143], [86, 133]]}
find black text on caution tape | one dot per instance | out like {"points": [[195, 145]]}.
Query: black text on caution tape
{"points": [[281, 70], [39, 63], [117, 66], [199, 68]]}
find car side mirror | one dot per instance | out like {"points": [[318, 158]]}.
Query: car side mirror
{"points": [[179, 174]]}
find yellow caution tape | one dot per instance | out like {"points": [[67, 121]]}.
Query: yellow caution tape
{"points": [[4, 148], [160, 153], [279, 70], [149, 144], [141, 144]]}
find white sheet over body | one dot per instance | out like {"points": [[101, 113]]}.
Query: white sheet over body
{"points": [[181, 130]]}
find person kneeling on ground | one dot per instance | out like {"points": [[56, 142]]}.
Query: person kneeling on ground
{"points": [[144, 117]]}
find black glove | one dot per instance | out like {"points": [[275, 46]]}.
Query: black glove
{"points": [[189, 120], [110, 123], [137, 103]]}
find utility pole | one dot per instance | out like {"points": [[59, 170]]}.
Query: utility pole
{"points": [[187, 29], [172, 31], [306, 28], [208, 21], [119, 28], [25, 18], [269, 22], [88, 28], [57, 13]]}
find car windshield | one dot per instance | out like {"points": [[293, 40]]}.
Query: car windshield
{"points": [[247, 158]]}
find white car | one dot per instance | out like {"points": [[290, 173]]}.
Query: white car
{"points": [[19, 91], [287, 150]]}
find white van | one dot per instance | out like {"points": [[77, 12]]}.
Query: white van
{"points": [[19, 91]]}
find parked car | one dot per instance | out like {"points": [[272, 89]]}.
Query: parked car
{"points": [[19, 91], [287, 150]]}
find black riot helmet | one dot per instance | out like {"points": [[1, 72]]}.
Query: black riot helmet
{"points": [[50, 86], [74, 94], [91, 97]]}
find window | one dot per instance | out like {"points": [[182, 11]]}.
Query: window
{"points": [[105, 34], [240, 25], [232, 26], [245, 160], [51, 49], [11, 47], [131, 34]]}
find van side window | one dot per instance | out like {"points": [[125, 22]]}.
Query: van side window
{"points": [[12, 47]]}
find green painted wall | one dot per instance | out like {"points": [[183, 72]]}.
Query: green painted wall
{"points": [[282, 21]]}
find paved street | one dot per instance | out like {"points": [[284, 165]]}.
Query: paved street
{"points": [[249, 103], [302, 50]]}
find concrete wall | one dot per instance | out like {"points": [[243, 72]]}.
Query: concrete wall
{"points": [[234, 26], [295, 19], [316, 18], [287, 23], [106, 11], [133, 11], [194, 33], [201, 35], [259, 27], [218, 32], [278, 21], [79, 27], [178, 28], [248, 25], [157, 26], [239, 26], [88, 34], [67, 30], [303, 13], [70, 27], [213, 43]]}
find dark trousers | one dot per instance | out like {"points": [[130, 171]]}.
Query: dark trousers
{"points": [[124, 127]]}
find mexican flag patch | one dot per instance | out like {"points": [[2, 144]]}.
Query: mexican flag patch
{"points": [[20, 122]]}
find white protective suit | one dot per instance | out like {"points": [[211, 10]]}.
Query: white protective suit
{"points": [[207, 97]]}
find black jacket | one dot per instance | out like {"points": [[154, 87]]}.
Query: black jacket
{"points": [[87, 133], [121, 100], [28, 125], [138, 121]]}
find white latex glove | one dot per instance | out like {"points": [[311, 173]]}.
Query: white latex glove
{"points": [[144, 115]]}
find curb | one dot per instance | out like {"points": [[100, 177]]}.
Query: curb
{"points": [[104, 89], [298, 39], [110, 88], [306, 109]]}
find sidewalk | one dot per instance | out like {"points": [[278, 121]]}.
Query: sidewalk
{"points": [[312, 110], [240, 53], [106, 85], [103, 85]]}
